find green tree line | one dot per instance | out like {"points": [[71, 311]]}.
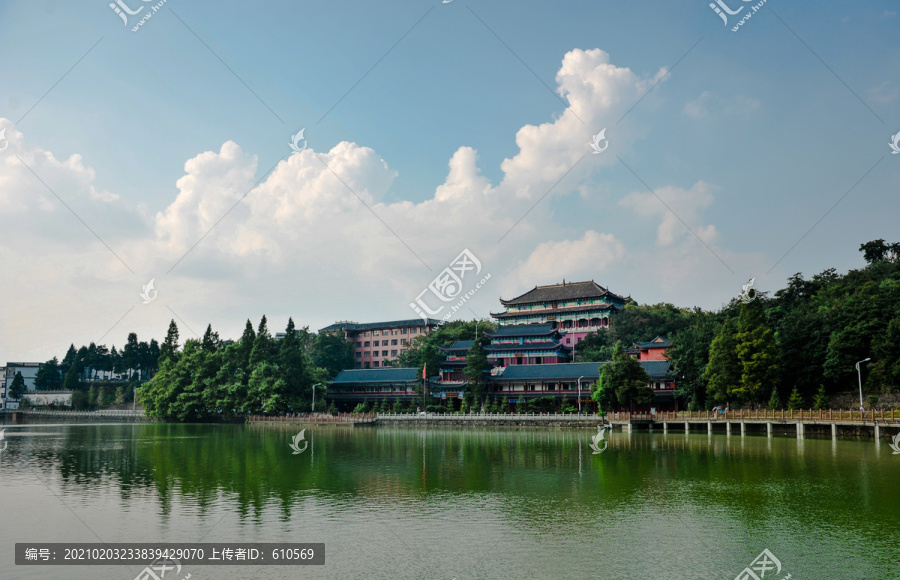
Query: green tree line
{"points": [[211, 379], [795, 348]]}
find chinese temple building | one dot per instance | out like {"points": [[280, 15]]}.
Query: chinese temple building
{"points": [[652, 356], [365, 385], [453, 366], [526, 344], [573, 308], [653, 350], [564, 382]]}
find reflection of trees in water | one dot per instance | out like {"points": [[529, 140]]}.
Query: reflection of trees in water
{"points": [[529, 474]]}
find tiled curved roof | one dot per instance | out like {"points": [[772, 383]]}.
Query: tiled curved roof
{"points": [[458, 345], [383, 375], [564, 291], [377, 325]]}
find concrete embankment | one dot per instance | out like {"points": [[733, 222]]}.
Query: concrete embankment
{"points": [[542, 421], [32, 415]]}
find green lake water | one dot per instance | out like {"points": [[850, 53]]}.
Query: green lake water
{"points": [[444, 503]]}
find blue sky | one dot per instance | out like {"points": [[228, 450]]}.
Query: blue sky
{"points": [[748, 137]]}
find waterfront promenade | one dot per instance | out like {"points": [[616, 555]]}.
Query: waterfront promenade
{"points": [[110, 416], [837, 423]]}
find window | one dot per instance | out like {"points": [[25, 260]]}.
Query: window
{"points": [[384, 343], [368, 333], [368, 354], [393, 353], [421, 330], [394, 331], [384, 353], [402, 331], [358, 355], [358, 345], [377, 333], [375, 364], [368, 343], [403, 341], [394, 342]]}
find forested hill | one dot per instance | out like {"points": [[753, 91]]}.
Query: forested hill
{"points": [[809, 335]]}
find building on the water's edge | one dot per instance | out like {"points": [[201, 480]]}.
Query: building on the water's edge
{"points": [[508, 384]]}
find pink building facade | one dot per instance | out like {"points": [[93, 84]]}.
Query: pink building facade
{"points": [[378, 343]]}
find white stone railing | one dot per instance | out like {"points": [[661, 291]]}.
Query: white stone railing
{"points": [[491, 416]]}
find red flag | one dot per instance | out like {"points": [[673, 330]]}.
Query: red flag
{"points": [[424, 367]]}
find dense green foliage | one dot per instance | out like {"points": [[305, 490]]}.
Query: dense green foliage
{"points": [[17, 387], [423, 350], [622, 382], [209, 379]]}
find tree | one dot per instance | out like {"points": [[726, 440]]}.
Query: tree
{"points": [[333, 353], [48, 377], [210, 341], [626, 378], [596, 346], [130, 352], [821, 400], [477, 366], [723, 373], [69, 359], [878, 250], [263, 345], [641, 323], [294, 368], [17, 387], [72, 382], [169, 348], [796, 401], [774, 400], [689, 354], [884, 373], [757, 352]]}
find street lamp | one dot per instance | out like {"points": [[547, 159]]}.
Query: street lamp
{"points": [[579, 395], [859, 373], [313, 410]]}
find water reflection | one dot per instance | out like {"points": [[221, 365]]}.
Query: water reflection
{"points": [[539, 481]]}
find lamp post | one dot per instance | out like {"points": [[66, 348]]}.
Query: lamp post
{"points": [[313, 410], [859, 374], [579, 395]]}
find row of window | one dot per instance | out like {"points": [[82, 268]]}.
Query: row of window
{"points": [[396, 331], [368, 354], [558, 304], [377, 390], [383, 343]]}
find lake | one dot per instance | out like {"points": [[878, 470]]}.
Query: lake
{"points": [[409, 502]]}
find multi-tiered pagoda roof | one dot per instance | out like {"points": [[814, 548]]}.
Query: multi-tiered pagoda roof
{"points": [[526, 344], [569, 301]]}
